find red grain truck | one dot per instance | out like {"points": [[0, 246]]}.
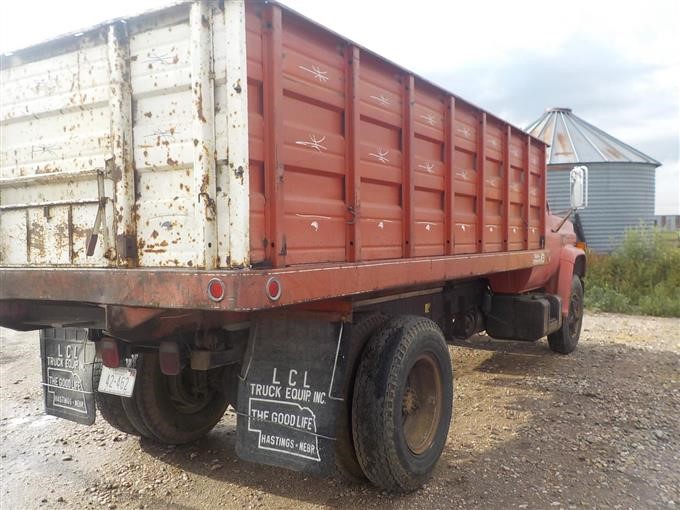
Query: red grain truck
{"points": [[225, 203]]}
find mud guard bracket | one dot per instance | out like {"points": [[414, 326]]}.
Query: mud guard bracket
{"points": [[290, 393]]}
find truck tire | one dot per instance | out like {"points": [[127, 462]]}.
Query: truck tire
{"points": [[565, 339], [135, 418], [110, 407], [171, 407], [403, 397], [345, 456]]}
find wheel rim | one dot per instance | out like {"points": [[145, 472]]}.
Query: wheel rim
{"points": [[422, 403], [575, 314]]}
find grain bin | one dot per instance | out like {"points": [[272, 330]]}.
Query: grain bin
{"points": [[621, 178]]}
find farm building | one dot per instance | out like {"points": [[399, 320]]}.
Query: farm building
{"points": [[621, 178]]}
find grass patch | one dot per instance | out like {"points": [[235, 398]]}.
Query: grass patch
{"points": [[641, 276]]}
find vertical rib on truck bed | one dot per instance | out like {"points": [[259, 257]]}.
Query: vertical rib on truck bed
{"points": [[211, 135]]}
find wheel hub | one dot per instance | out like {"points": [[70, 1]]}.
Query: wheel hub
{"points": [[410, 402]]}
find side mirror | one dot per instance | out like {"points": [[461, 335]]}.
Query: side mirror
{"points": [[578, 187]]}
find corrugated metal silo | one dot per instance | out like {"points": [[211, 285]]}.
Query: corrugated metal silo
{"points": [[621, 178]]}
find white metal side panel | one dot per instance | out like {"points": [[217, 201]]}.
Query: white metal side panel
{"points": [[54, 136], [160, 67], [231, 132], [143, 122]]}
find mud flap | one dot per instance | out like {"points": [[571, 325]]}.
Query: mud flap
{"points": [[290, 393], [67, 374]]}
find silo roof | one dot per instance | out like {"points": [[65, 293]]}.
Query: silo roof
{"points": [[573, 140]]}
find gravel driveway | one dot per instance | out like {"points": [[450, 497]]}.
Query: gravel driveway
{"points": [[597, 429]]}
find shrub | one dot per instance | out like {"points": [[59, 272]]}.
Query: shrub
{"points": [[640, 276]]}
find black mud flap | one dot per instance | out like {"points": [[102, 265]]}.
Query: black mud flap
{"points": [[290, 392], [67, 374]]}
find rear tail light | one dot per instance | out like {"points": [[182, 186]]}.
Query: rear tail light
{"points": [[216, 290], [581, 245], [274, 288], [109, 351], [170, 360]]}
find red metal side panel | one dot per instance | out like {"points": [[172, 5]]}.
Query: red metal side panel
{"points": [[380, 147], [429, 115], [516, 227], [313, 144], [536, 194], [466, 137], [493, 185], [256, 135], [355, 159]]}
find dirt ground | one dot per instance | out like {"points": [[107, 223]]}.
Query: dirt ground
{"points": [[597, 429]]}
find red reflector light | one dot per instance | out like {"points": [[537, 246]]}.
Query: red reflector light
{"points": [[109, 351], [216, 290], [169, 358], [274, 288]]}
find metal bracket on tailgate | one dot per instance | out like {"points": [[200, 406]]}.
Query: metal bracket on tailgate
{"points": [[93, 236]]}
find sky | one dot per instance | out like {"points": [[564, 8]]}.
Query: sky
{"points": [[616, 64]]}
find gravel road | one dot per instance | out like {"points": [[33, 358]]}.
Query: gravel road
{"points": [[597, 429]]}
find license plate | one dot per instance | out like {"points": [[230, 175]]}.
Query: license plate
{"points": [[117, 381]]}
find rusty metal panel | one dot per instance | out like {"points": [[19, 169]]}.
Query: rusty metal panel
{"points": [[167, 197], [231, 136], [120, 164], [54, 143]]}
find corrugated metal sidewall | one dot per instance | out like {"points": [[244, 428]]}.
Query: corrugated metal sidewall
{"points": [[621, 195]]}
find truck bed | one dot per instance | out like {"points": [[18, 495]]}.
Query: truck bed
{"points": [[248, 136]]}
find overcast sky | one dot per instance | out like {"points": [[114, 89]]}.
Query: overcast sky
{"points": [[615, 63]]}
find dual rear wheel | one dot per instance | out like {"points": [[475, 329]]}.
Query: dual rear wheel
{"points": [[168, 409], [401, 404]]}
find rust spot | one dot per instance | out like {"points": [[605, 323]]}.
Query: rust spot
{"points": [[204, 21], [199, 102], [172, 130], [175, 59], [190, 263], [159, 250], [171, 162], [205, 182], [164, 243], [146, 153], [154, 234], [148, 115], [238, 173]]}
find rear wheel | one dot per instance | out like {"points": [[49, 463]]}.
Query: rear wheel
{"points": [[130, 405], [345, 455], [110, 407], [402, 405], [565, 339], [178, 409]]}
